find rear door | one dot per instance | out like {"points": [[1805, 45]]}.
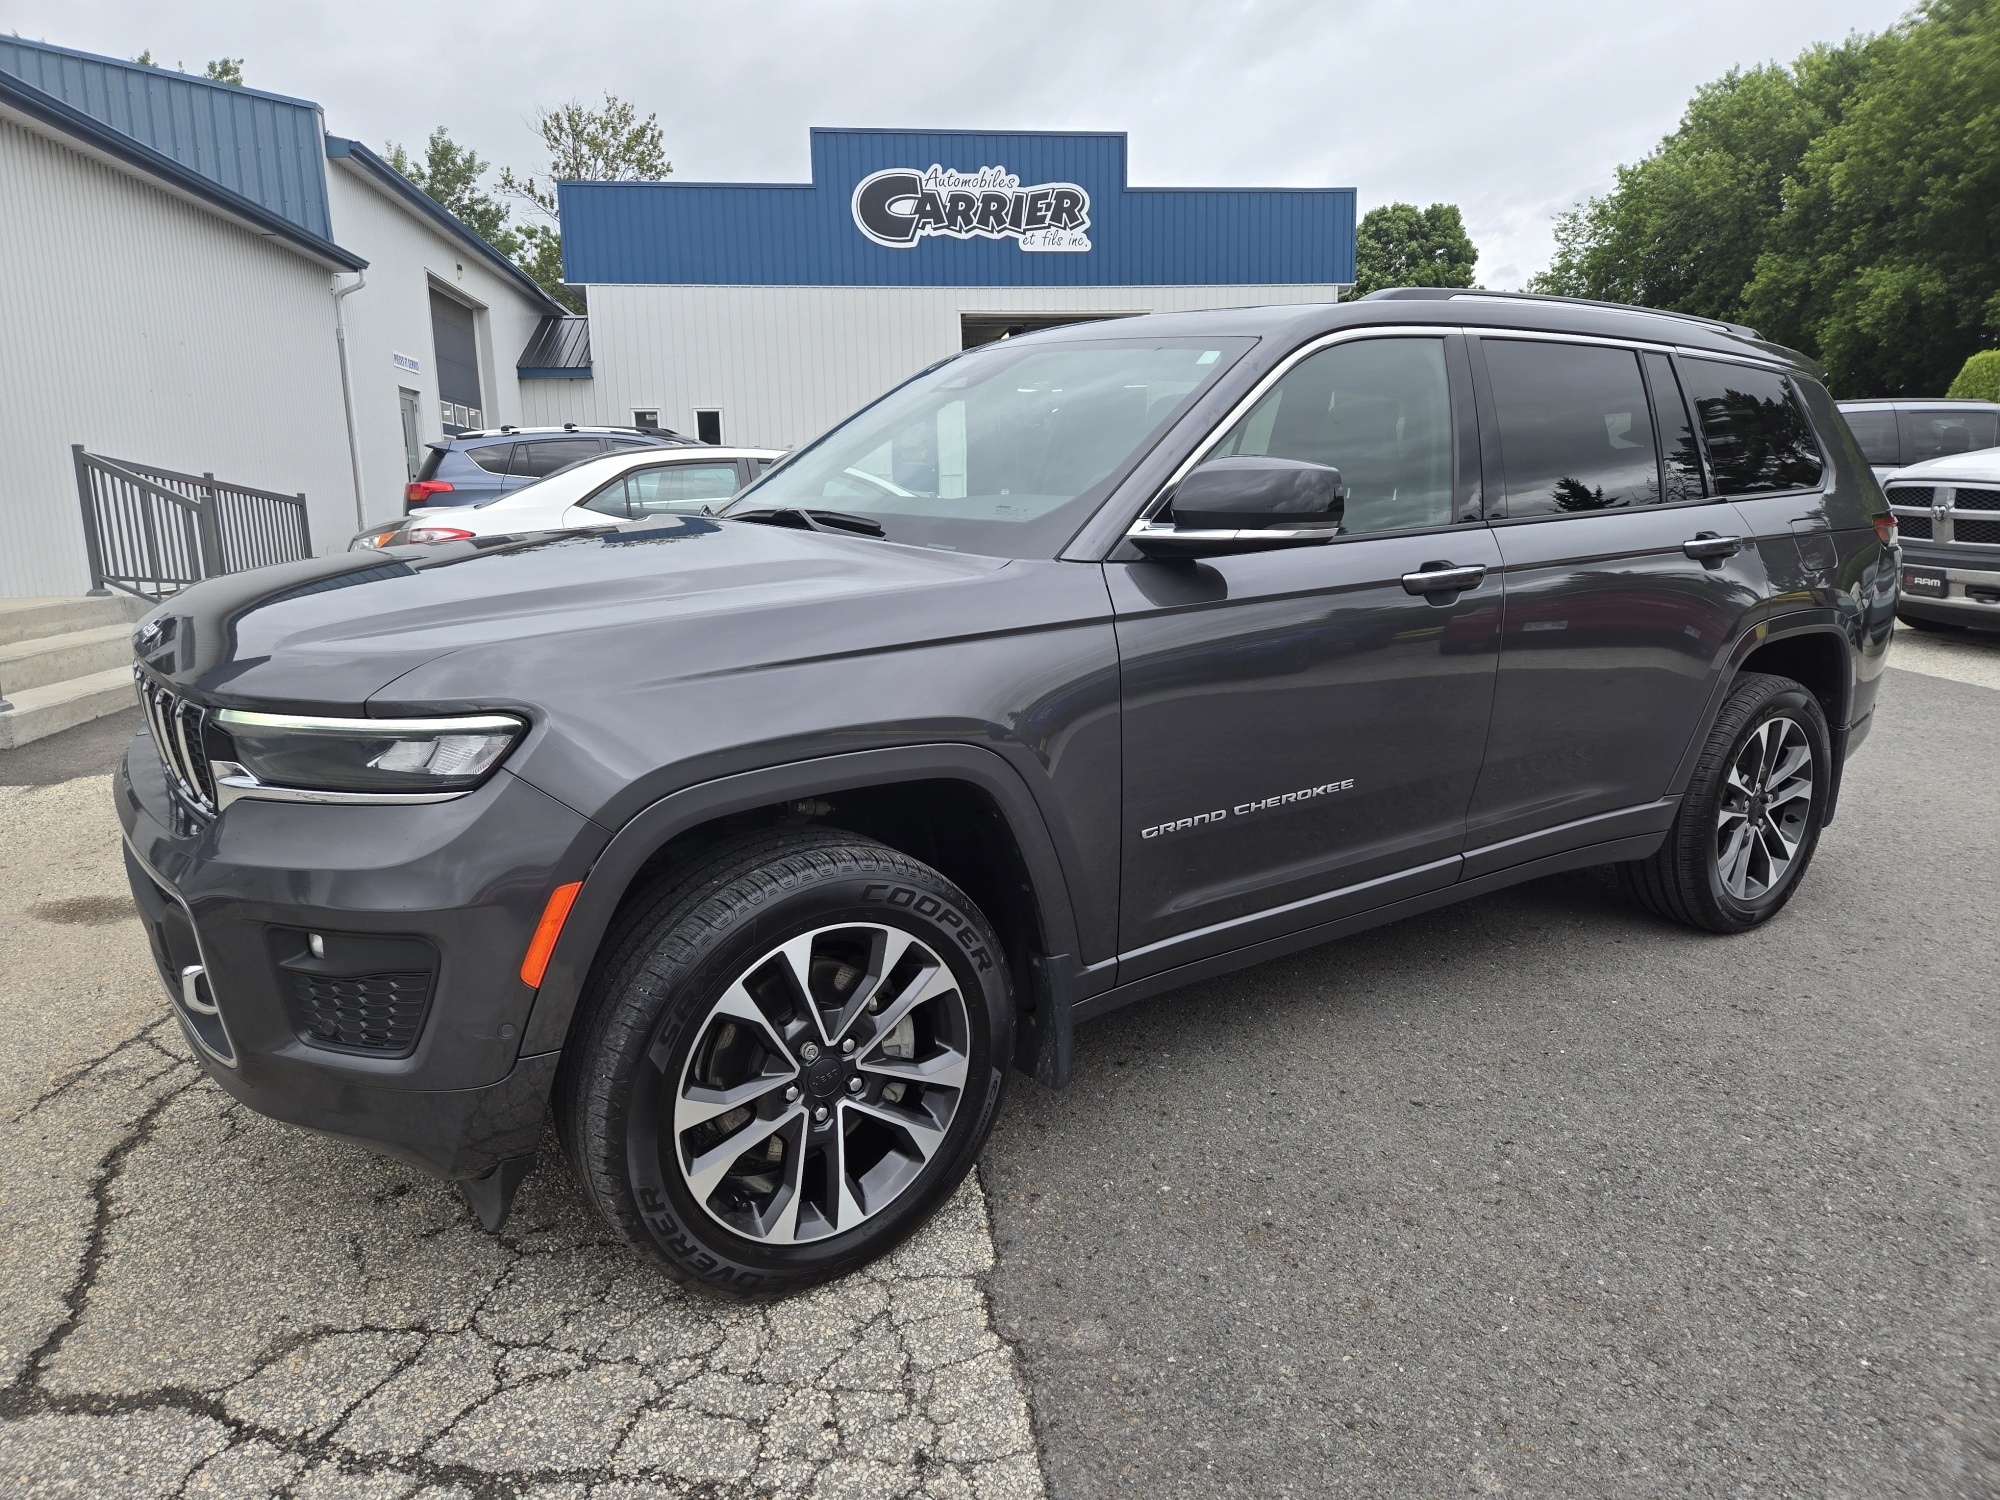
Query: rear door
{"points": [[1301, 730], [1624, 578]]}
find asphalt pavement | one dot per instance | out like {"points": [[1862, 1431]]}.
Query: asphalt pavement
{"points": [[1534, 1196], [1539, 1195]]}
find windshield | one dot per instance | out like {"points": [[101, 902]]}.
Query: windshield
{"points": [[1004, 450]]}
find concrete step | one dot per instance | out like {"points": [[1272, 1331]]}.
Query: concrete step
{"points": [[55, 658], [42, 711], [30, 619]]}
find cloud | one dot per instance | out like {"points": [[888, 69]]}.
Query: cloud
{"points": [[1511, 111]]}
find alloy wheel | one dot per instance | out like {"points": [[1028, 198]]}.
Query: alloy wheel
{"points": [[1767, 799], [820, 1083]]}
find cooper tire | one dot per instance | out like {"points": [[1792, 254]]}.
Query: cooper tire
{"points": [[665, 1009], [1701, 876]]}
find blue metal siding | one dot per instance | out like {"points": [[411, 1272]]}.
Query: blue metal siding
{"points": [[753, 234], [262, 146]]}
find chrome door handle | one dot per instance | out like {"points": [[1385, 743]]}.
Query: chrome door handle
{"points": [[1708, 545], [1444, 578]]}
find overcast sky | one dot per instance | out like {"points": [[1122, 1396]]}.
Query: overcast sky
{"points": [[1512, 111]]}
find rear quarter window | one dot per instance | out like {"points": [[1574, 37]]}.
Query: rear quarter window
{"points": [[493, 457], [1759, 441], [1875, 430]]}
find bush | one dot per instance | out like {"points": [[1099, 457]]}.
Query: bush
{"points": [[1980, 377]]}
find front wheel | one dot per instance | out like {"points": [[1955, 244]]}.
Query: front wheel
{"points": [[789, 1059], [1749, 820]]}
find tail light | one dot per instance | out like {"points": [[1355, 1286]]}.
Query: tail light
{"points": [[419, 491], [1885, 528], [436, 534]]}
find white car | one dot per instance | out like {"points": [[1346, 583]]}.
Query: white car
{"points": [[624, 486], [1948, 519]]}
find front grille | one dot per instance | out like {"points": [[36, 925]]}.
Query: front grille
{"points": [[1916, 528], [379, 1014], [1910, 494], [1983, 532], [179, 729], [1977, 500]]}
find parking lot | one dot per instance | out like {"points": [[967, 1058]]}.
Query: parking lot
{"points": [[1535, 1195]]}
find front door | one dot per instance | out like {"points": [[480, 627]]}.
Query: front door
{"points": [[1625, 578], [1301, 731]]}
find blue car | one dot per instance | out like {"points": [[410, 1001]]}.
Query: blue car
{"points": [[479, 466]]}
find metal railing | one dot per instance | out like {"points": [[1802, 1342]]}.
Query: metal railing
{"points": [[152, 532]]}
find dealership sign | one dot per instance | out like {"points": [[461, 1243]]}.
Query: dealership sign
{"points": [[898, 207]]}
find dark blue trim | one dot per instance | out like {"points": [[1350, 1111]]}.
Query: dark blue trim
{"points": [[805, 234], [53, 112], [424, 204], [578, 372]]}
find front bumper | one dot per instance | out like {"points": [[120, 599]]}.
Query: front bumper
{"points": [[449, 891], [1972, 586]]}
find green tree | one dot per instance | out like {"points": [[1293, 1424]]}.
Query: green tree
{"points": [[225, 70], [1400, 244], [1979, 380], [450, 174], [607, 144], [1885, 262]]}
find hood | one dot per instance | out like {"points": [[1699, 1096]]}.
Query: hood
{"points": [[327, 634], [1981, 466]]}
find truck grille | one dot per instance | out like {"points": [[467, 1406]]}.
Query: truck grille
{"points": [[1978, 500], [1982, 531], [179, 728], [1916, 527], [1911, 495]]}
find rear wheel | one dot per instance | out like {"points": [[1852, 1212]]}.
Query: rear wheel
{"points": [[1749, 820], [789, 1059]]}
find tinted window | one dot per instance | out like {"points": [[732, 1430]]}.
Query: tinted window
{"points": [[1377, 410], [619, 445], [1758, 439], [539, 459], [1875, 430], [1576, 433], [1680, 457], [1939, 434], [432, 458], [492, 458]]}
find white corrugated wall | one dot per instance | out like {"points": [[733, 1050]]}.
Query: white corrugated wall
{"points": [[143, 327], [783, 364]]}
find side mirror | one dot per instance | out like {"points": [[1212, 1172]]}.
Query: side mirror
{"points": [[1223, 505]]}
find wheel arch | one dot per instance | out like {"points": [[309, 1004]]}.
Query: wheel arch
{"points": [[1813, 650], [903, 797]]}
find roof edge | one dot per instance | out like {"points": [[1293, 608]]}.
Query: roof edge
{"points": [[56, 115], [421, 203], [128, 65]]}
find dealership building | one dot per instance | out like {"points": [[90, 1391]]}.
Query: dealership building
{"points": [[761, 313]]}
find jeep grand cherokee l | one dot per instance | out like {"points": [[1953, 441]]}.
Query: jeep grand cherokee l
{"points": [[761, 845]]}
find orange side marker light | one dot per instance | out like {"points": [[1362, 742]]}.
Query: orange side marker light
{"points": [[561, 899]]}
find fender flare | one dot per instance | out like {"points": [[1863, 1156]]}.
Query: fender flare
{"points": [[1788, 626], [612, 873]]}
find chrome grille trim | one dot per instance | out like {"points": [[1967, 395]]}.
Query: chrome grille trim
{"points": [[177, 726]]}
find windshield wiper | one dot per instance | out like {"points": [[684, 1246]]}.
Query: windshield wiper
{"points": [[798, 519]]}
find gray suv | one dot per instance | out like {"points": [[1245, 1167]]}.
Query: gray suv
{"points": [[760, 846]]}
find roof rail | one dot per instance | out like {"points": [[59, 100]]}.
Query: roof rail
{"points": [[1451, 293]]}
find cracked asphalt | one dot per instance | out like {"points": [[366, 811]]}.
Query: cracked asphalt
{"points": [[1534, 1195]]}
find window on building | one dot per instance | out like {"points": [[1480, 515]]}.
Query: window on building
{"points": [[648, 418], [410, 404], [1758, 439], [460, 405], [1576, 433], [1380, 412], [708, 427]]}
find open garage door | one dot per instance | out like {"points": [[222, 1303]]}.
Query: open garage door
{"points": [[983, 328]]}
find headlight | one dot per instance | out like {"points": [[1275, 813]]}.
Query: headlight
{"points": [[295, 758]]}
